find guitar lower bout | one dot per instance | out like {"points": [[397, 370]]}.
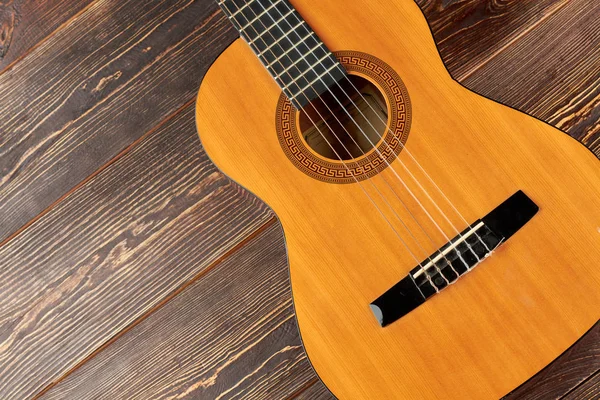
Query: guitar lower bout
{"points": [[444, 182]]}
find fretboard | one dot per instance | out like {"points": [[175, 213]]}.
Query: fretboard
{"points": [[295, 57]]}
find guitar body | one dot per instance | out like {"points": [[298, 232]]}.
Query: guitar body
{"points": [[498, 325]]}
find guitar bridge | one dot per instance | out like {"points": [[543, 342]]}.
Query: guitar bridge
{"points": [[457, 257]]}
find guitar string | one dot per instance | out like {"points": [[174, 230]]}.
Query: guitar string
{"points": [[427, 274], [366, 136], [427, 254], [353, 176], [290, 8], [372, 144], [382, 175], [429, 257], [422, 170], [256, 18]]}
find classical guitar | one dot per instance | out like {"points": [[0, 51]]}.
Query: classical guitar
{"points": [[440, 245]]}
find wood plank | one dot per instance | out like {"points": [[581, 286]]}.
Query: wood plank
{"points": [[571, 369], [135, 233], [146, 108], [80, 383], [590, 389], [231, 334], [552, 72], [316, 391], [468, 33], [25, 23], [92, 89]]}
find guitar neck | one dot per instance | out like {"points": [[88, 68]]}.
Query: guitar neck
{"points": [[296, 58]]}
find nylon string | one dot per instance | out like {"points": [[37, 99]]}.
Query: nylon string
{"points": [[378, 152], [376, 149]]}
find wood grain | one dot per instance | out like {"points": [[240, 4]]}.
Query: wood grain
{"points": [[479, 153], [542, 58], [230, 335], [110, 252], [590, 389], [316, 391], [570, 370], [552, 73], [26, 23], [471, 35], [468, 33], [109, 76]]}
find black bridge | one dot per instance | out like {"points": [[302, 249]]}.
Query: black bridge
{"points": [[459, 256]]}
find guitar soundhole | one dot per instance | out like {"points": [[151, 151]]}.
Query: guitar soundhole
{"points": [[346, 123], [345, 140]]}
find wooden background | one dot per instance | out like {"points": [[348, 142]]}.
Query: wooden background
{"points": [[130, 267]]}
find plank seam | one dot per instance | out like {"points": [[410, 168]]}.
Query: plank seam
{"points": [[468, 74], [304, 388], [161, 303], [589, 378], [513, 395], [98, 171]]}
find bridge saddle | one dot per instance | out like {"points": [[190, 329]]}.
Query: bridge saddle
{"points": [[457, 257]]}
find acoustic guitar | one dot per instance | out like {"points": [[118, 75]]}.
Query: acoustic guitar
{"points": [[441, 245]]}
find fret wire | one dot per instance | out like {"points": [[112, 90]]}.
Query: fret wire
{"points": [[282, 37], [311, 33], [275, 24], [301, 92], [302, 48], [241, 9], [307, 54], [305, 72], [261, 14], [231, 15]]}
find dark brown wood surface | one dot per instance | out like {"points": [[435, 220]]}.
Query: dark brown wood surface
{"points": [[25, 24], [574, 369], [110, 75], [257, 352], [130, 267]]}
